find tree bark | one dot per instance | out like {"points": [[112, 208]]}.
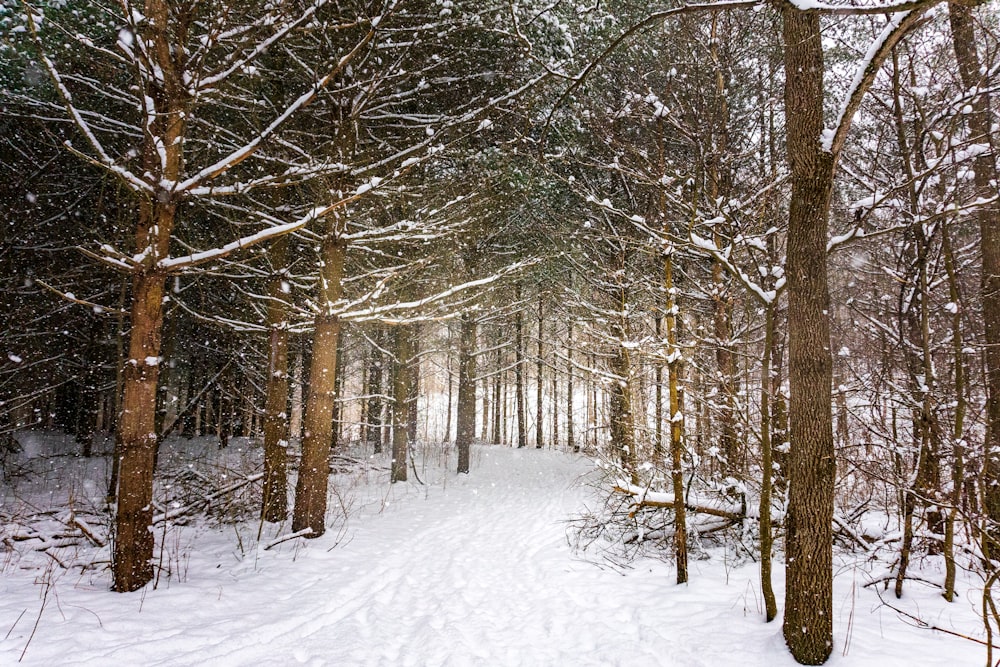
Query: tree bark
{"points": [[571, 442], [969, 68], [274, 505], [522, 427], [676, 421], [314, 469], [162, 155], [373, 429], [766, 466], [539, 426], [808, 623], [401, 385], [958, 427], [132, 566], [620, 418], [466, 418]]}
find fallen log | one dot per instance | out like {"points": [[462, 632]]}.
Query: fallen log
{"points": [[645, 498]]}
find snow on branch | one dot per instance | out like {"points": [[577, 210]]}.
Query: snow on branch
{"points": [[854, 10], [177, 263], [645, 498], [69, 296], [215, 79], [766, 297], [899, 24], [103, 159], [240, 154], [380, 312]]}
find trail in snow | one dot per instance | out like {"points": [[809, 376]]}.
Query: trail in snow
{"points": [[470, 571]]}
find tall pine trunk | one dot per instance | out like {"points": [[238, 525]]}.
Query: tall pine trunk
{"points": [[373, 428], [274, 506], [522, 427], [162, 156], [466, 419], [401, 388], [132, 565], [311, 486], [539, 426]]}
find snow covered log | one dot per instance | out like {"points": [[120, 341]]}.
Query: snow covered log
{"points": [[646, 498]]}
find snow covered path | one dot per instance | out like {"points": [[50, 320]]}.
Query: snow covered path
{"points": [[472, 571]]}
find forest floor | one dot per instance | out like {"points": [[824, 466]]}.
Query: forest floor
{"points": [[467, 570]]}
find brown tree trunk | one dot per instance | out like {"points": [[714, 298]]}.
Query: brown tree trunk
{"points": [[808, 623], [571, 442], [766, 465], [958, 428], [137, 441], [620, 419], [274, 506], [969, 68], [498, 400], [413, 387], [539, 432], [673, 371], [466, 427], [522, 427], [374, 390], [132, 565], [401, 385], [676, 422], [314, 469]]}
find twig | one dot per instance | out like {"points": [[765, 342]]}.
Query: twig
{"points": [[21, 615], [921, 623], [45, 598]]}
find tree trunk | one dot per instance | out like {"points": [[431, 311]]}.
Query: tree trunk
{"points": [[413, 387], [522, 428], [274, 506], [766, 465], [314, 468], [466, 418], [539, 432], [132, 565], [374, 390], [162, 155], [676, 421], [958, 428], [620, 419], [571, 442], [970, 68], [401, 385], [808, 623], [497, 399], [673, 371]]}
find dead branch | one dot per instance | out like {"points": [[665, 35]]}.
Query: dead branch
{"points": [[640, 502], [207, 499]]}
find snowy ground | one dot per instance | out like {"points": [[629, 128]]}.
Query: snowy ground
{"points": [[473, 570]]}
